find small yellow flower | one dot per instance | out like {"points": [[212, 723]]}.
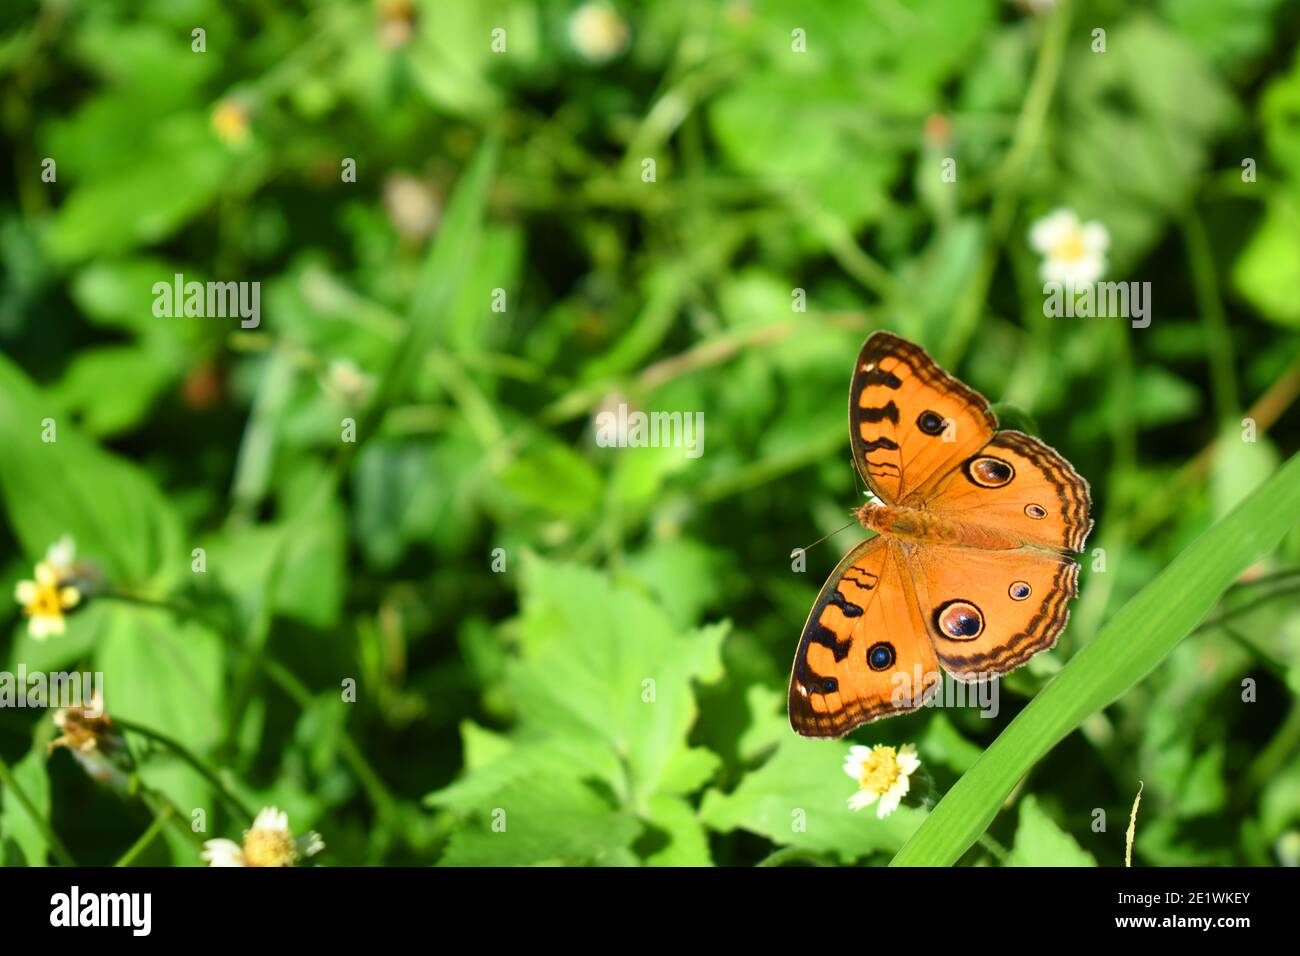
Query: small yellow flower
{"points": [[268, 842], [883, 774], [45, 601], [230, 122]]}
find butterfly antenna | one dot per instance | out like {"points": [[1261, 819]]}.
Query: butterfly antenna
{"points": [[825, 536]]}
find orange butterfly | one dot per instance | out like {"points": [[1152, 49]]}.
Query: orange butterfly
{"points": [[969, 567]]}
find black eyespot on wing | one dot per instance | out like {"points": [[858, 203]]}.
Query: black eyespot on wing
{"points": [[880, 656], [958, 620], [989, 472], [1036, 511], [1019, 590], [930, 423]]}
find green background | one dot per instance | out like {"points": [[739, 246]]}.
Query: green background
{"points": [[522, 690]]}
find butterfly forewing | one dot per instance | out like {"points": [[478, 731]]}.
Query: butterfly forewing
{"points": [[864, 653], [910, 422]]}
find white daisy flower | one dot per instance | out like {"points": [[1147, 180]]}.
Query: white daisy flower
{"points": [[1074, 252], [597, 32], [883, 774], [268, 842]]}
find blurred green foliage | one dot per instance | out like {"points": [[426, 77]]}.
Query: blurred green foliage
{"points": [[499, 270]]}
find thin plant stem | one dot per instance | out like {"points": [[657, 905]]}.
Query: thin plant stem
{"points": [[995, 849], [155, 827], [241, 809], [379, 794], [382, 799], [1272, 663], [1200, 261]]}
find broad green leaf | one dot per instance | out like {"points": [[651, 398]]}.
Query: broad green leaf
{"points": [[676, 821], [554, 480], [1040, 842], [118, 517], [110, 389], [799, 798], [544, 818], [16, 824], [1267, 272], [163, 673], [178, 173], [605, 662]]}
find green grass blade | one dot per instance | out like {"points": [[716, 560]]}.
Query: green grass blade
{"points": [[1126, 649]]}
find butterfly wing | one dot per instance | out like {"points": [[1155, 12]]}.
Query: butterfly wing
{"points": [[910, 422], [987, 612], [864, 648], [1021, 489], [980, 604]]}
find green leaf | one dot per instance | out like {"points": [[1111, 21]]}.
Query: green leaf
{"points": [[1267, 272], [1128, 647], [799, 798], [16, 823], [602, 686], [118, 517], [1227, 31], [605, 662], [182, 168], [452, 254], [544, 818], [1040, 842], [309, 582], [554, 480], [687, 840], [112, 388], [163, 673]]}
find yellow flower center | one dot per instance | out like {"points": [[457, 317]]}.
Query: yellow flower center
{"points": [[265, 847], [1071, 247], [230, 121], [880, 770], [49, 599]]}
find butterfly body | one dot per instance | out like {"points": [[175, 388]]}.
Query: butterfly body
{"points": [[970, 569], [918, 526]]}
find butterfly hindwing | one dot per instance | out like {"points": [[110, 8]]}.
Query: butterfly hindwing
{"points": [[910, 422], [864, 647], [987, 612]]}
